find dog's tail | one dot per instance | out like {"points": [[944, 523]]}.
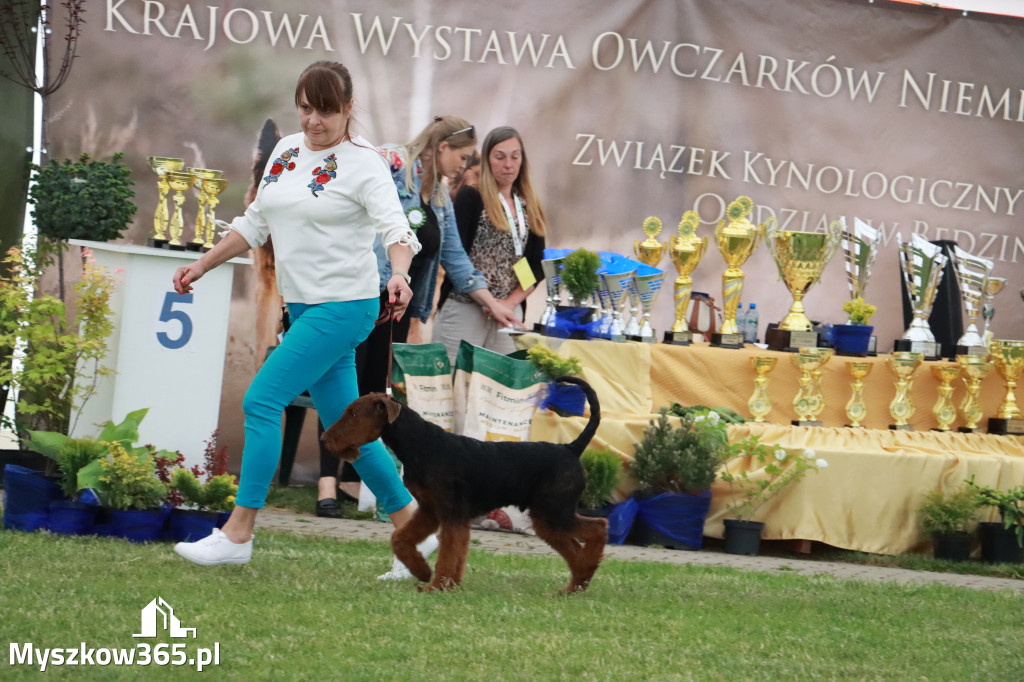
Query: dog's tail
{"points": [[581, 442]]}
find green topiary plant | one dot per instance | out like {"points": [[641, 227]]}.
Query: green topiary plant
{"points": [[604, 469], [1009, 504], [679, 459], [579, 274], [551, 364], [129, 479]]}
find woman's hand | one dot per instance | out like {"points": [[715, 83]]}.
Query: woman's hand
{"points": [[503, 314], [186, 275], [399, 296]]}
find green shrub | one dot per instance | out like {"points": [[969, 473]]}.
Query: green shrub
{"points": [[603, 468], [679, 459], [944, 512]]}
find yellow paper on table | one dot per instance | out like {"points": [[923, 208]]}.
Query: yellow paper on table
{"points": [[525, 274]]}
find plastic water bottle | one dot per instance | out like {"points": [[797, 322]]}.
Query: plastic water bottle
{"points": [[750, 325], [741, 320]]}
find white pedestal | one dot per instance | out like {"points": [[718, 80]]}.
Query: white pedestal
{"points": [[167, 350]]}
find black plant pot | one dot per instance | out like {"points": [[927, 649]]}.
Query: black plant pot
{"points": [[742, 537], [953, 546], [999, 544]]}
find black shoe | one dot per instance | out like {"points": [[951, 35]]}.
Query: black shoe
{"points": [[328, 508]]}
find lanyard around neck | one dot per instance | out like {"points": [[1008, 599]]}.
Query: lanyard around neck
{"points": [[518, 231]]}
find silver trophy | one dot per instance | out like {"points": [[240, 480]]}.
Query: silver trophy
{"points": [[618, 292], [988, 308], [633, 326], [922, 263], [648, 286], [606, 309], [553, 281], [971, 274], [860, 246]]}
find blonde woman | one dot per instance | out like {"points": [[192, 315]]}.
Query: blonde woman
{"points": [[501, 223]]}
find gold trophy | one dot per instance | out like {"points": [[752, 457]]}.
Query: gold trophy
{"points": [[1008, 359], [801, 258], [809, 402], [975, 369], [161, 165], [650, 250], [921, 263], [903, 364], [201, 174], [685, 249], [993, 285], [856, 408], [944, 409], [971, 274], [179, 182], [736, 240], [760, 404], [212, 187]]}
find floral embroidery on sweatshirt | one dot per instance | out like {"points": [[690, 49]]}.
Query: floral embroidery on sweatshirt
{"points": [[280, 165], [323, 174], [393, 158]]}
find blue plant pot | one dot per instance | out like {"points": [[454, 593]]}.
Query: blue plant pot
{"points": [[136, 525], [673, 520], [72, 518], [851, 339], [27, 498], [189, 525]]}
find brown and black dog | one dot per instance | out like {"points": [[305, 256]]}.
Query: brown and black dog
{"points": [[456, 479]]}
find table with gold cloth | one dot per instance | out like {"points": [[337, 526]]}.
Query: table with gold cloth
{"points": [[866, 499]]}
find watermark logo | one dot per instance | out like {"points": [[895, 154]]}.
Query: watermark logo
{"points": [[157, 619], [159, 612]]}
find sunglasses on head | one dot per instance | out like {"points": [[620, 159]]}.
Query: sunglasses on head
{"points": [[471, 130]]}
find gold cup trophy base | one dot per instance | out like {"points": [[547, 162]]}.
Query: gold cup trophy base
{"points": [[734, 340], [790, 341], [678, 338], [901, 427], [806, 422]]}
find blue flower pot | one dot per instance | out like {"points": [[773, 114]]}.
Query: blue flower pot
{"points": [[136, 525], [72, 518], [189, 525], [851, 339]]}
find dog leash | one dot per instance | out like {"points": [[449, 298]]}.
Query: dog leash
{"points": [[388, 316]]}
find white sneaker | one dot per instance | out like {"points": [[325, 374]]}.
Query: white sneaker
{"points": [[399, 571], [215, 549]]}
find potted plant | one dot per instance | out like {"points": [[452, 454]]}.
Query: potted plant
{"points": [[562, 399], [674, 466], [208, 504], [948, 517], [130, 489], [604, 469], [854, 337], [580, 278], [756, 472], [63, 355], [1001, 541]]}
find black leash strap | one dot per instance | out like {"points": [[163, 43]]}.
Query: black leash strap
{"points": [[388, 317]]}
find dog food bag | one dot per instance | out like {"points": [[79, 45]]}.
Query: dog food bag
{"points": [[421, 377]]}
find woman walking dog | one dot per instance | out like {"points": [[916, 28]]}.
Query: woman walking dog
{"points": [[324, 199]]}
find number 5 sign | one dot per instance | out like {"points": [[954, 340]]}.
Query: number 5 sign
{"points": [[167, 349]]}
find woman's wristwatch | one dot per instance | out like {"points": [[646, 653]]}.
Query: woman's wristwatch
{"points": [[404, 275]]}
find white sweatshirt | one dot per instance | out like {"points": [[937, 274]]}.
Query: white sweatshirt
{"points": [[322, 209]]}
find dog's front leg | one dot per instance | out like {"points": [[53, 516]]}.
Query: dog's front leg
{"points": [[451, 557], [405, 539]]}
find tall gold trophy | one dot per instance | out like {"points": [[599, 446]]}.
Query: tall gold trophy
{"points": [[856, 408], [201, 175], [736, 240], [685, 249], [902, 408], [809, 401], [944, 408], [975, 368], [212, 187], [1008, 359], [760, 403], [161, 165], [648, 284], [179, 182], [801, 258]]}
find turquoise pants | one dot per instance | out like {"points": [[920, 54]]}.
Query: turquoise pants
{"points": [[317, 354]]}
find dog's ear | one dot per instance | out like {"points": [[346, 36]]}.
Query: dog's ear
{"points": [[393, 409]]}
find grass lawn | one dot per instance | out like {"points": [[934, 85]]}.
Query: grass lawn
{"points": [[311, 609]]}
